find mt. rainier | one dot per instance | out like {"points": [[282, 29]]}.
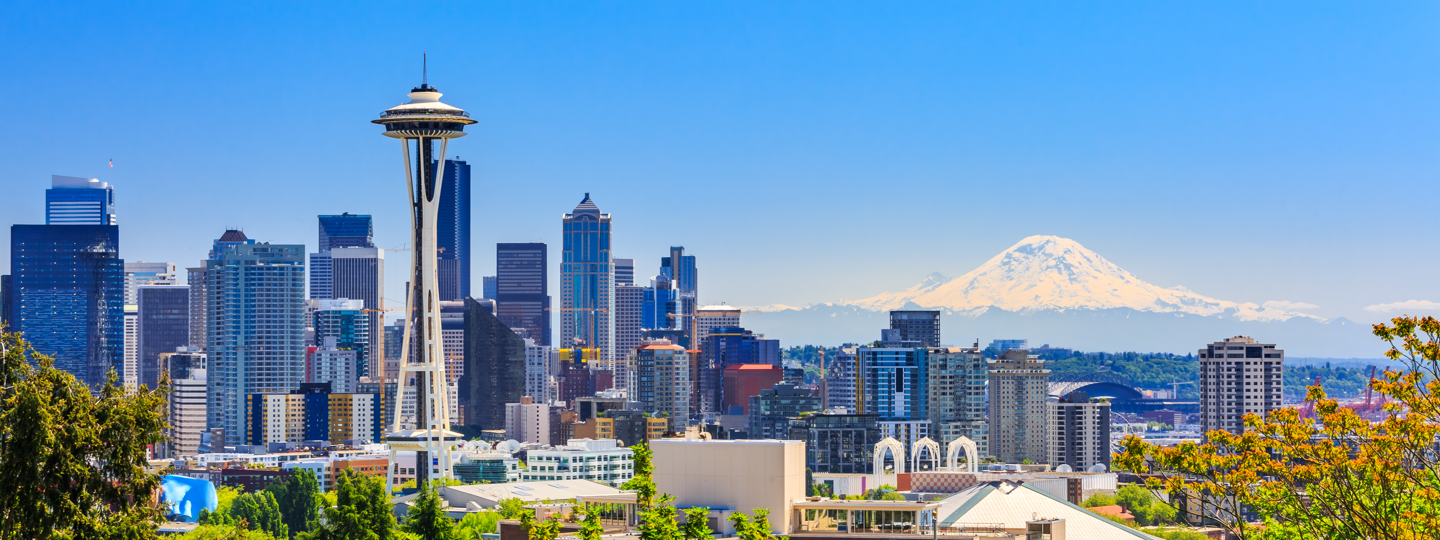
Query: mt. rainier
{"points": [[1052, 290], [1058, 274]]}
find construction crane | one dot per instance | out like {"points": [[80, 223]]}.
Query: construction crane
{"points": [[1308, 411], [1175, 388]]}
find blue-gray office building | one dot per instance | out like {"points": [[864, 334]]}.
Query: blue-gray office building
{"points": [[586, 282], [522, 288], [79, 201]]}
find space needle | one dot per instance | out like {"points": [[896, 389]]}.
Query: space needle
{"points": [[421, 125]]}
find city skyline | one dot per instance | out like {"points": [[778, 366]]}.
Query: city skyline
{"points": [[1131, 144]]}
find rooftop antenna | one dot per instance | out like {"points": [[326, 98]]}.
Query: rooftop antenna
{"points": [[424, 68]]}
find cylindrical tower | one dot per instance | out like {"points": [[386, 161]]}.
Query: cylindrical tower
{"points": [[421, 125]]}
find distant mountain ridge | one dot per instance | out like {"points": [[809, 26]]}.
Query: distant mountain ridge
{"points": [[1058, 274]]}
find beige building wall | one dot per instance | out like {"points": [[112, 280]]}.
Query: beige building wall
{"points": [[743, 475]]}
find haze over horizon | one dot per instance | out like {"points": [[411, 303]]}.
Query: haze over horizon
{"points": [[805, 152]]}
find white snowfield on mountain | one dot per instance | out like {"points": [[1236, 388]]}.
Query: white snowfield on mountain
{"points": [[1053, 273]]}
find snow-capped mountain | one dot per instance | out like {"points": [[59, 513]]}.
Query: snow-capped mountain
{"points": [[1049, 273]]}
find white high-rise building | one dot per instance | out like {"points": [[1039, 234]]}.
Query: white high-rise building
{"points": [[714, 317], [131, 377], [335, 366], [528, 421], [187, 400], [628, 334], [1239, 376], [840, 379], [540, 364], [1079, 432]]}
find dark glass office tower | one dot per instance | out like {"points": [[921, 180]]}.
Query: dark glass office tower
{"points": [[163, 325], [68, 295], [452, 232], [522, 288], [916, 325], [494, 368]]}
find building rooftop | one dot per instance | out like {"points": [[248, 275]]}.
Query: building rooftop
{"points": [[1012, 504]]}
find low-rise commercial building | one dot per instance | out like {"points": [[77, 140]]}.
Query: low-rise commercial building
{"points": [[733, 476], [601, 461]]}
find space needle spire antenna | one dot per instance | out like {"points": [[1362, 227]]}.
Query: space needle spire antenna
{"points": [[423, 126]]}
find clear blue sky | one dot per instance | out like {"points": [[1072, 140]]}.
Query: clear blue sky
{"points": [[806, 152]]}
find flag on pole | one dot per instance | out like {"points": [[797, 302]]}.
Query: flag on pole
{"points": [[112, 164]]}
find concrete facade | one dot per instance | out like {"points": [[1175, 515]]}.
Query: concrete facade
{"points": [[739, 475]]}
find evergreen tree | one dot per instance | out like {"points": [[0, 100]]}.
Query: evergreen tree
{"points": [[643, 483], [809, 483], [72, 458], [362, 511], [591, 529], [260, 512], [299, 499], [697, 524], [427, 518]]}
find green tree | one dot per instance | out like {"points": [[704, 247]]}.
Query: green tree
{"points": [[511, 508], [1099, 499], [658, 521], [427, 518], [72, 458], [225, 532], [590, 528], [299, 499], [541, 530], [261, 513], [809, 483], [475, 524], [697, 524], [757, 528], [362, 511], [642, 483]]}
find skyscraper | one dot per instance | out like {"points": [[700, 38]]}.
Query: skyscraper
{"points": [[660, 379], [958, 376], [68, 296], [711, 317], [146, 273], [79, 201], [586, 282], [522, 288], [726, 347], [914, 325], [359, 273], [452, 232], [629, 300], [680, 269], [1079, 432], [256, 336], [624, 272], [840, 379], [200, 291], [1239, 376], [343, 231], [495, 374], [345, 321], [1019, 389], [163, 325]]}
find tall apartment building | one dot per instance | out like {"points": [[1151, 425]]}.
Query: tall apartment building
{"points": [[495, 368], [68, 291], [199, 289], [586, 282], [1239, 376], [711, 317], [624, 272], [528, 421], [187, 400], [331, 364], [452, 232], [256, 335], [79, 201], [345, 321], [162, 325], [1079, 432], [957, 394], [629, 300], [131, 375], [892, 379], [522, 288], [540, 363], [915, 325], [840, 379], [660, 379], [146, 273], [1019, 389]]}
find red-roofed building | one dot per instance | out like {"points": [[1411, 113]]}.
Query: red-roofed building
{"points": [[744, 381]]}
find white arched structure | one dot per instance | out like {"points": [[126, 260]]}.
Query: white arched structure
{"points": [[928, 444], [971, 457], [897, 451]]}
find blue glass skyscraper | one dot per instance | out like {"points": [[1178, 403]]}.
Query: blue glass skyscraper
{"points": [[346, 230], [452, 232], [587, 282], [79, 201], [68, 296]]}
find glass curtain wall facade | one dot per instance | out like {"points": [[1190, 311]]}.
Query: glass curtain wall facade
{"points": [[494, 368], [68, 296], [586, 282], [522, 288], [452, 232], [163, 325], [892, 381]]}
